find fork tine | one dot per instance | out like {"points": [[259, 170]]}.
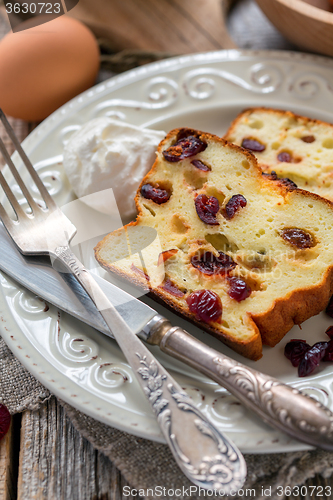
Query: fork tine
{"points": [[42, 189], [7, 221], [17, 176], [11, 197]]}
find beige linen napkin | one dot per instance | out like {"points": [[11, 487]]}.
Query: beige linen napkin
{"points": [[146, 464]]}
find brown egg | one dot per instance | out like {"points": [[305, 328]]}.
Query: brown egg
{"points": [[43, 67]]}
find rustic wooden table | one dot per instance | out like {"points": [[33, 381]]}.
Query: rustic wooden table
{"points": [[65, 465]]}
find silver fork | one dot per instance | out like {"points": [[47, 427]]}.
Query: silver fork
{"points": [[208, 458]]}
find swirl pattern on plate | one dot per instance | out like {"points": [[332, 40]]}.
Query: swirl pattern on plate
{"points": [[306, 85], [79, 349], [164, 93], [111, 375]]}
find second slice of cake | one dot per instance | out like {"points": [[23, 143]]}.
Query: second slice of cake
{"points": [[290, 145], [243, 256]]}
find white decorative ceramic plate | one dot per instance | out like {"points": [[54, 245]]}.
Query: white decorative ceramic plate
{"points": [[80, 365]]}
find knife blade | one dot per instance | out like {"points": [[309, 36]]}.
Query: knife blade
{"points": [[62, 289]]}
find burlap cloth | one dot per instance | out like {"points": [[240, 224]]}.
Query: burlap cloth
{"points": [[143, 463]]}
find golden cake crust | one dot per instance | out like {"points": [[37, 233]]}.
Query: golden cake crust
{"points": [[266, 325]]}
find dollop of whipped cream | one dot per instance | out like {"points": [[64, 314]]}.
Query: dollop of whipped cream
{"points": [[107, 153]]}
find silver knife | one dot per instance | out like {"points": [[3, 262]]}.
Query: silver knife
{"points": [[62, 289], [277, 404]]}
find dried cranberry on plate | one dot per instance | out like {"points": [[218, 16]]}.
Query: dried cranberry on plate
{"points": [[206, 305], [170, 287], [308, 138], [298, 238], [307, 358], [167, 254], [201, 165], [329, 351], [288, 183], [295, 350], [236, 202], [253, 145], [210, 264], [285, 157], [4, 420], [207, 208], [312, 358], [184, 148], [239, 289], [139, 272], [155, 193]]}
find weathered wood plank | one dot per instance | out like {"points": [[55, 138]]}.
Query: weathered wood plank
{"points": [[9, 450], [5, 466], [56, 462], [158, 25]]}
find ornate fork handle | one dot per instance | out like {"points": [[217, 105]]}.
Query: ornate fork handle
{"points": [[205, 456], [278, 404]]}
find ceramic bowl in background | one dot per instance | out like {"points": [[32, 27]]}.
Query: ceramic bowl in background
{"points": [[306, 23]]}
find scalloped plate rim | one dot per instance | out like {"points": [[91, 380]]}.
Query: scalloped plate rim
{"points": [[8, 325]]}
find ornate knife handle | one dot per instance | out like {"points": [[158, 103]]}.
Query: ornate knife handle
{"points": [[278, 404], [208, 458]]}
